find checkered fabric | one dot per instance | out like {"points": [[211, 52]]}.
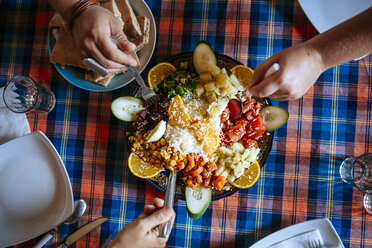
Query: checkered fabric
{"points": [[300, 180]]}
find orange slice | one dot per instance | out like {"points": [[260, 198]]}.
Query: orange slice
{"points": [[205, 132], [250, 176], [243, 73], [178, 113], [159, 72], [141, 168]]}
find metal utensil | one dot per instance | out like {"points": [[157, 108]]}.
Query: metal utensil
{"points": [[79, 209], [166, 227], [95, 66], [315, 244], [147, 93], [82, 231]]}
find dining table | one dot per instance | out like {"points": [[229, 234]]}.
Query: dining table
{"points": [[300, 179]]}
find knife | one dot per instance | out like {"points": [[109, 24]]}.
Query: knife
{"points": [[82, 231]]}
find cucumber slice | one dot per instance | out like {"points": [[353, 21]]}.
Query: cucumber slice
{"points": [[202, 56], [127, 108], [197, 201], [274, 117]]}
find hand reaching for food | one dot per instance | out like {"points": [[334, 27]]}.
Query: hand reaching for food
{"points": [[82, 30], [300, 66], [144, 230], [299, 69], [92, 31]]}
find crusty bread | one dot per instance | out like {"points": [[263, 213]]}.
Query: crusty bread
{"points": [[64, 51], [98, 79], [111, 6], [56, 21], [141, 41], [55, 33], [131, 27]]}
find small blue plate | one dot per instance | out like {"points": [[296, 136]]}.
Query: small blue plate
{"points": [[76, 75]]}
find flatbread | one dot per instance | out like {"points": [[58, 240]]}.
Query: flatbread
{"points": [[64, 51], [144, 23], [56, 21], [131, 27], [111, 6], [98, 79]]}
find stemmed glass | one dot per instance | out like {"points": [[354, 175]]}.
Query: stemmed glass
{"points": [[357, 171]]}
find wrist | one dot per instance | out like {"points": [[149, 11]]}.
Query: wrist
{"points": [[315, 54], [76, 10]]}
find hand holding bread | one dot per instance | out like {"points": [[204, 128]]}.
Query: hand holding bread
{"points": [[89, 37]]}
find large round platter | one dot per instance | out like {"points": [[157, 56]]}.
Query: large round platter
{"points": [[75, 75], [265, 142]]}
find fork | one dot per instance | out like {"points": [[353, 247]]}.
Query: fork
{"points": [[147, 93], [315, 244]]}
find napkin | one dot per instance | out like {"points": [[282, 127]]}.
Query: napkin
{"points": [[300, 240], [12, 125]]}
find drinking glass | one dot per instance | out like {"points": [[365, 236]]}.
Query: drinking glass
{"points": [[22, 94], [357, 171]]}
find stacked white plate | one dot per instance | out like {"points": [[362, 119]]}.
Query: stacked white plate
{"points": [[35, 190]]}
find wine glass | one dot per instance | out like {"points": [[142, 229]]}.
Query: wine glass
{"points": [[357, 171]]}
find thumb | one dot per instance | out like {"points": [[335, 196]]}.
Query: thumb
{"points": [[259, 73], [157, 218]]}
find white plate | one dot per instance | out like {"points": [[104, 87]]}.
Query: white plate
{"points": [[325, 227], [35, 191], [325, 14], [76, 75]]}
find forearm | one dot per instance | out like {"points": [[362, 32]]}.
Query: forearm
{"points": [[346, 41], [63, 7]]}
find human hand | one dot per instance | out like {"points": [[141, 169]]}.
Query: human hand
{"points": [[92, 31], [144, 230], [300, 67]]}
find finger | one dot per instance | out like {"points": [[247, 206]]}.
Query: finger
{"points": [[279, 96], [265, 88], [260, 71], [113, 53], [157, 218], [141, 216], [124, 42], [94, 52], [150, 208], [159, 203]]}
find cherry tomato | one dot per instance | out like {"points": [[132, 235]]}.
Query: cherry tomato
{"points": [[238, 130], [247, 143], [248, 104], [235, 108]]}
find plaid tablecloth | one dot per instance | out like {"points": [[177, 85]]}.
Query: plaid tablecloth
{"points": [[300, 180]]}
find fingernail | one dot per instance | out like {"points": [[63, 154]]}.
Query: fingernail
{"points": [[133, 62]]}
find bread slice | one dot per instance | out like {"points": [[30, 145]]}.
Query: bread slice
{"points": [[56, 21], [141, 41], [104, 81], [131, 27], [96, 78], [111, 6], [64, 51]]}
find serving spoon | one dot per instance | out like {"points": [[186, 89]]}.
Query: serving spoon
{"points": [[166, 227], [79, 209]]}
